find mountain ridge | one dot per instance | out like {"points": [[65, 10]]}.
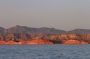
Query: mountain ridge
{"points": [[43, 30]]}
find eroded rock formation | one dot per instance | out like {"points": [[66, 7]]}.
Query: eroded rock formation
{"points": [[74, 42]]}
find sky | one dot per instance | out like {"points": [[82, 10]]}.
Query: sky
{"points": [[60, 14]]}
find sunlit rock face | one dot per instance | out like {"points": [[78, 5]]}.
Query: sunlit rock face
{"points": [[74, 42], [11, 42], [2, 42], [24, 42], [8, 42], [84, 43], [36, 41], [40, 41]]}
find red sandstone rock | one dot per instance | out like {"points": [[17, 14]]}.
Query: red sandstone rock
{"points": [[11, 42], [40, 41], [84, 43], [74, 42], [2, 42]]}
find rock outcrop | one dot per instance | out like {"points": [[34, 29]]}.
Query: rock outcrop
{"points": [[44, 35], [40, 41], [74, 42]]}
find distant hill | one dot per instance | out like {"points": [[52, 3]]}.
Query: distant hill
{"points": [[80, 31], [42, 30], [18, 29], [30, 30], [2, 30]]}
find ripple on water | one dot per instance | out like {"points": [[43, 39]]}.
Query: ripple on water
{"points": [[44, 52]]}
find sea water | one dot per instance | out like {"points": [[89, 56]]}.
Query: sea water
{"points": [[44, 51]]}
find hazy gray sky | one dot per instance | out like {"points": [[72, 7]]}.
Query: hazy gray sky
{"points": [[61, 14]]}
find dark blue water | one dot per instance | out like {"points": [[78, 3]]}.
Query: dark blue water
{"points": [[44, 51]]}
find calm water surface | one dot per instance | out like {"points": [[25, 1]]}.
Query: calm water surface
{"points": [[44, 51]]}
